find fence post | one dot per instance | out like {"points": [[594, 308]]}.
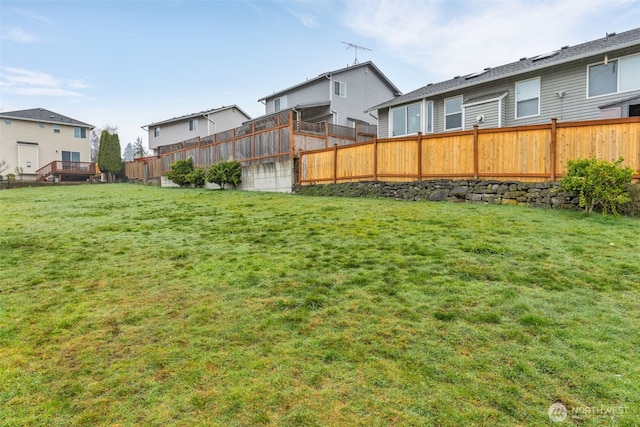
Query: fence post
{"points": [[326, 135], [292, 138], [233, 144], [375, 159], [553, 148], [475, 152], [419, 156], [253, 140], [335, 163], [198, 153]]}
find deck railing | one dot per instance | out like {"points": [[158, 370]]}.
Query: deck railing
{"points": [[65, 167]]}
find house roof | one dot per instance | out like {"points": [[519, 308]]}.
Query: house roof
{"points": [[332, 73], [42, 115], [562, 55], [199, 114]]}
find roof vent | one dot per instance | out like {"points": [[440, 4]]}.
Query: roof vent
{"points": [[523, 58], [52, 117], [611, 34], [429, 84], [564, 47], [546, 55]]}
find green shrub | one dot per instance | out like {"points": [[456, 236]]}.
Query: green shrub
{"points": [[225, 173], [197, 177], [180, 170], [598, 183], [632, 207]]}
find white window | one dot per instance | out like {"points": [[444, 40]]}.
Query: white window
{"points": [[7, 122], [340, 89], [453, 113], [429, 116], [41, 125], [156, 132], [619, 75], [193, 124], [280, 103], [79, 132], [406, 120], [56, 129], [528, 98]]}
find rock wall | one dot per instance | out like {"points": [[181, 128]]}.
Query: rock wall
{"points": [[534, 194]]}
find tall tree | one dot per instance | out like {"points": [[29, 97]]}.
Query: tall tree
{"points": [[139, 150], [109, 157], [94, 140], [129, 153]]}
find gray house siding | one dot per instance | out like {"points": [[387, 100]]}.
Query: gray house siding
{"points": [[314, 92], [363, 89], [176, 130], [570, 79]]}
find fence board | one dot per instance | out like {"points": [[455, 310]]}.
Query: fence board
{"points": [[448, 156], [397, 158], [355, 163]]}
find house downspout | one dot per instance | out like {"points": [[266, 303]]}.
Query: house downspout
{"points": [[209, 120], [333, 112]]}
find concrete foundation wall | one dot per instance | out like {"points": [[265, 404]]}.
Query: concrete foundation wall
{"points": [[273, 177]]}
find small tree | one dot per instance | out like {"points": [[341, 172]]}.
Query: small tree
{"points": [[225, 173], [109, 157], [138, 149], [197, 177], [598, 182], [180, 170]]}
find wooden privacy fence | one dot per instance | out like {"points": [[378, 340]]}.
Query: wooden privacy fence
{"points": [[527, 153], [273, 138]]}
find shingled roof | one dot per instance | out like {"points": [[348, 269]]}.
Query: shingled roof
{"points": [[42, 115], [562, 55]]}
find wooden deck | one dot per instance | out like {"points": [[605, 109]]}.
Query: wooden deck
{"points": [[66, 169]]}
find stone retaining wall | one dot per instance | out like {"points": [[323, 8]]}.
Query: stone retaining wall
{"points": [[534, 194]]}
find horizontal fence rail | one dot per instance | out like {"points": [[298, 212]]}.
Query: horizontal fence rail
{"points": [[528, 153]]}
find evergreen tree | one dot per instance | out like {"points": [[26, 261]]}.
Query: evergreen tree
{"points": [[109, 159], [129, 153]]}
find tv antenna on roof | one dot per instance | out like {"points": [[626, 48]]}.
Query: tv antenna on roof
{"points": [[355, 48]]}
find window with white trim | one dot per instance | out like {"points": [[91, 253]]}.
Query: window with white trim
{"points": [[280, 103], [453, 113], [7, 122], [406, 120], [193, 124], [340, 89], [79, 132], [528, 98], [618, 75], [429, 117], [56, 129], [156, 132]]}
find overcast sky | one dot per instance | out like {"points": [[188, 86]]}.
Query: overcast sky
{"points": [[131, 63]]}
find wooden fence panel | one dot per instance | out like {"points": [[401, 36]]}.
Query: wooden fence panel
{"points": [[517, 153], [355, 163], [448, 156], [607, 142], [317, 167], [397, 159]]}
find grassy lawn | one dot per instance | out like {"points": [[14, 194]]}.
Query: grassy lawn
{"points": [[131, 305]]}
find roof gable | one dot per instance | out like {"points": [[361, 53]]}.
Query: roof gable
{"points": [[329, 74], [563, 55], [200, 114], [42, 115]]}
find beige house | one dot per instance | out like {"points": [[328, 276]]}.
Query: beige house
{"points": [[40, 143]]}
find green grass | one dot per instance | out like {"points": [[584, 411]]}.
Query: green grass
{"points": [[130, 305]]}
